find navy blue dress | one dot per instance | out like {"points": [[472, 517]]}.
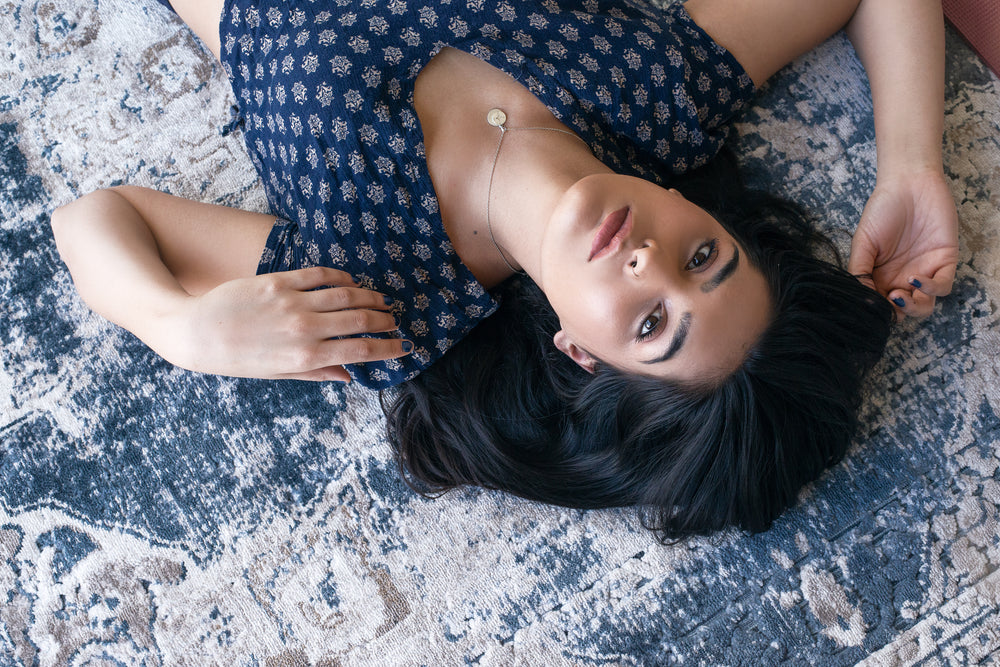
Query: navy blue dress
{"points": [[325, 89]]}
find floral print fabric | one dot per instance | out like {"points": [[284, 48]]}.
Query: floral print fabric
{"points": [[325, 92]]}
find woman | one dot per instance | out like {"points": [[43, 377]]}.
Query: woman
{"points": [[436, 151]]}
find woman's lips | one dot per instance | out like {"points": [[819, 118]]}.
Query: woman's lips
{"points": [[612, 232]]}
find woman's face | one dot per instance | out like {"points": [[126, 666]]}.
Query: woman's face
{"points": [[648, 282]]}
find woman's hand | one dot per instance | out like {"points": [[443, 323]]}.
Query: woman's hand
{"points": [[179, 274], [907, 241], [280, 325]]}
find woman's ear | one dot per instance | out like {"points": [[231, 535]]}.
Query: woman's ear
{"points": [[574, 351]]}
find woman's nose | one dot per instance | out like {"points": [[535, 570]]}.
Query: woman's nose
{"points": [[642, 259]]}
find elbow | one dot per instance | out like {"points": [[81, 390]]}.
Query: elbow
{"points": [[60, 220], [69, 221], [76, 229], [61, 223]]}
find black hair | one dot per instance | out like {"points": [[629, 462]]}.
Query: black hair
{"points": [[504, 409]]}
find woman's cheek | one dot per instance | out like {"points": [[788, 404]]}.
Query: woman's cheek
{"points": [[598, 314]]}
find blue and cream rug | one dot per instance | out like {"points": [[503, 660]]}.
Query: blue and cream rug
{"points": [[150, 516]]}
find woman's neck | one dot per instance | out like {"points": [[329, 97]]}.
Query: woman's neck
{"points": [[533, 168]]}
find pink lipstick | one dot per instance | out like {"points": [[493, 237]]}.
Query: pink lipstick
{"points": [[612, 232]]}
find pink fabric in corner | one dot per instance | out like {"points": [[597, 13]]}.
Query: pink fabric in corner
{"points": [[979, 22]]}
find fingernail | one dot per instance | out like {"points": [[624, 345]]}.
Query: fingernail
{"points": [[395, 321], [407, 346], [916, 283], [388, 300], [899, 302]]}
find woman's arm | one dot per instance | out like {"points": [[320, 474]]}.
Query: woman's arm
{"points": [[180, 276], [907, 239], [766, 35]]}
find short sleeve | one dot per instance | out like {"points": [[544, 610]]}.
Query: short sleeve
{"points": [[695, 91], [283, 249], [648, 89]]}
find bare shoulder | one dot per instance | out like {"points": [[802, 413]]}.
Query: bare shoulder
{"points": [[203, 17], [766, 35]]}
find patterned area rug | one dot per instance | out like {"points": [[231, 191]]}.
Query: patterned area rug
{"points": [[150, 516]]}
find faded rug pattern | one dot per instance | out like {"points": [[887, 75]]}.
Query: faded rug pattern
{"points": [[151, 516]]}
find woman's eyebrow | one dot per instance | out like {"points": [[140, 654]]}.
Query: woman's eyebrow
{"points": [[680, 335], [723, 273]]}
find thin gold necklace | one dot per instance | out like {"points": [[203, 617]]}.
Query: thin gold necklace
{"points": [[497, 118]]}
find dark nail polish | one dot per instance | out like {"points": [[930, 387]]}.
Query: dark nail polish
{"points": [[407, 346], [916, 283], [899, 302], [388, 300], [395, 320]]}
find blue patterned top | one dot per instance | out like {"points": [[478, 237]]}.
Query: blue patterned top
{"points": [[326, 94]]}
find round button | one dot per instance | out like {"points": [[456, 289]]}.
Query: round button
{"points": [[496, 117]]}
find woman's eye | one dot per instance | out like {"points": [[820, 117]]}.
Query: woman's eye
{"points": [[649, 325], [703, 255]]}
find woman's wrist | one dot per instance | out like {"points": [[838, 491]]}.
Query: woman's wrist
{"points": [[909, 143], [908, 168], [901, 44]]}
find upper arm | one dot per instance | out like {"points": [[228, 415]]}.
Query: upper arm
{"points": [[203, 245], [203, 17], [766, 35]]}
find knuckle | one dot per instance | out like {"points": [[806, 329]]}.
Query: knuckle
{"points": [[315, 273], [303, 358], [297, 324], [339, 275], [282, 300], [361, 319], [272, 286], [340, 297], [362, 348]]}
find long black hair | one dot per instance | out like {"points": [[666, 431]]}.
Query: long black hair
{"points": [[504, 409]]}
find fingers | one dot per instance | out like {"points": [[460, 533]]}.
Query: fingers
{"points": [[336, 340], [335, 318], [920, 301], [323, 360], [327, 374], [912, 303], [866, 280], [353, 322], [344, 298], [937, 285], [861, 263], [341, 292], [360, 350], [313, 277], [863, 255]]}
